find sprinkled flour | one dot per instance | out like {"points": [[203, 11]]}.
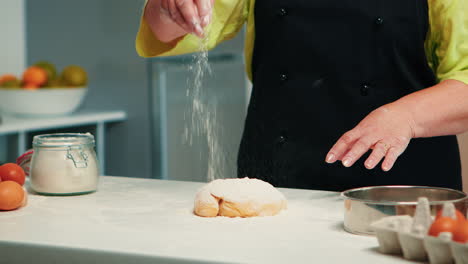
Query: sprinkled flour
{"points": [[202, 113]]}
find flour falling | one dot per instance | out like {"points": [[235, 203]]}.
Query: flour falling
{"points": [[203, 119]]}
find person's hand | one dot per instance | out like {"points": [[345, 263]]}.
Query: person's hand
{"points": [[387, 130], [191, 15]]}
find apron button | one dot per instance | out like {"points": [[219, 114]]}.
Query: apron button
{"points": [[365, 89], [283, 77], [379, 21], [283, 12], [281, 140]]}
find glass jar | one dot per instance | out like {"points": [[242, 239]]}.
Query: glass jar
{"points": [[64, 164]]}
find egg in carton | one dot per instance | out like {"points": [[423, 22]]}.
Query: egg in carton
{"points": [[438, 248], [408, 236]]}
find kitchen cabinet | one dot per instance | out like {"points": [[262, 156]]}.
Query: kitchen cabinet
{"points": [[131, 220]]}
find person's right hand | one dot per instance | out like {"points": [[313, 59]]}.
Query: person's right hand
{"points": [[191, 15]]}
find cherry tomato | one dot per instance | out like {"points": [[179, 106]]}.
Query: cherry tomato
{"points": [[458, 214], [12, 172], [442, 224]]}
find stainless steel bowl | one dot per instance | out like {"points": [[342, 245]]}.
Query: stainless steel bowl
{"points": [[368, 204]]}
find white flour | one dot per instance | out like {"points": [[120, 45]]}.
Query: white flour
{"points": [[242, 190], [53, 169], [203, 113]]}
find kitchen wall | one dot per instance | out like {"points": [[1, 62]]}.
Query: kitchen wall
{"points": [[100, 35], [12, 48]]}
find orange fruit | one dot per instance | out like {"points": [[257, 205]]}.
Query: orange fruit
{"points": [[35, 75], [48, 67], [11, 195], [7, 77], [74, 76], [30, 86], [12, 172], [11, 84], [55, 83]]}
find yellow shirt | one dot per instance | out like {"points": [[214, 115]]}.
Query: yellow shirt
{"points": [[446, 44]]}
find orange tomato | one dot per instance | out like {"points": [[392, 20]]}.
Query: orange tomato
{"points": [[460, 234], [459, 215], [35, 75], [11, 195], [442, 224], [7, 77], [12, 172]]}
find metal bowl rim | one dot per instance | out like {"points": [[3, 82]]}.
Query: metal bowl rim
{"points": [[345, 194]]}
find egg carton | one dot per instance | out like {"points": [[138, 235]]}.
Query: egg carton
{"points": [[407, 236]]}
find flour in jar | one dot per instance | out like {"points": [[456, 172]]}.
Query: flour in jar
{"points": [[64, 164]]}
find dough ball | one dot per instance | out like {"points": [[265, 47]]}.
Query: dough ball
{"points": [[239, 198]]}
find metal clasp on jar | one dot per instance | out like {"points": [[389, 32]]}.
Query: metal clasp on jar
{"points": [[79, 158]]}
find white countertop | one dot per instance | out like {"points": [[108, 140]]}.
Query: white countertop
{"points": [[150, 221]]}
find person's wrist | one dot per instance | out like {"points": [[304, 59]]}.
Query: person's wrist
{"points": [[407, 115]]}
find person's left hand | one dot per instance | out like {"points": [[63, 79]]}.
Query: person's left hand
{"points": [[387, 130]]}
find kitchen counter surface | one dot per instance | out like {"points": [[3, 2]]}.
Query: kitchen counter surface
{"points": [[150, 221]]}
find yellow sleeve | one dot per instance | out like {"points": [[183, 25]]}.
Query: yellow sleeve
{"points": [[447, 42], [227, 19]]}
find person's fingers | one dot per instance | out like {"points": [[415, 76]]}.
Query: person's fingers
{"points": [[391, 157], [204, 11], [396, 148], [164, 8], [212, 10], [341, 146], [379, 151], [177, 16], [359, 148], [190, 14]]}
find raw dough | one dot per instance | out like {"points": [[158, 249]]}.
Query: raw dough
{"points": [[239, 198]]}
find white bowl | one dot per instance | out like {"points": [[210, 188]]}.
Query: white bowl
{"points": [[41, 102]]}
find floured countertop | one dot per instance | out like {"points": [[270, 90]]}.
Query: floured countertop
{"points": [[150, 221]]}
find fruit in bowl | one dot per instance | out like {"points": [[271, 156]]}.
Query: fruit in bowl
{"points": [[41, 91]]}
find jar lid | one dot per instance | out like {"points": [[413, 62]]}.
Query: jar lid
{"points": [[63, 140]]}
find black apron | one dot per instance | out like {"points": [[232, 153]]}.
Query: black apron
{"points": [[319, 67]]}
